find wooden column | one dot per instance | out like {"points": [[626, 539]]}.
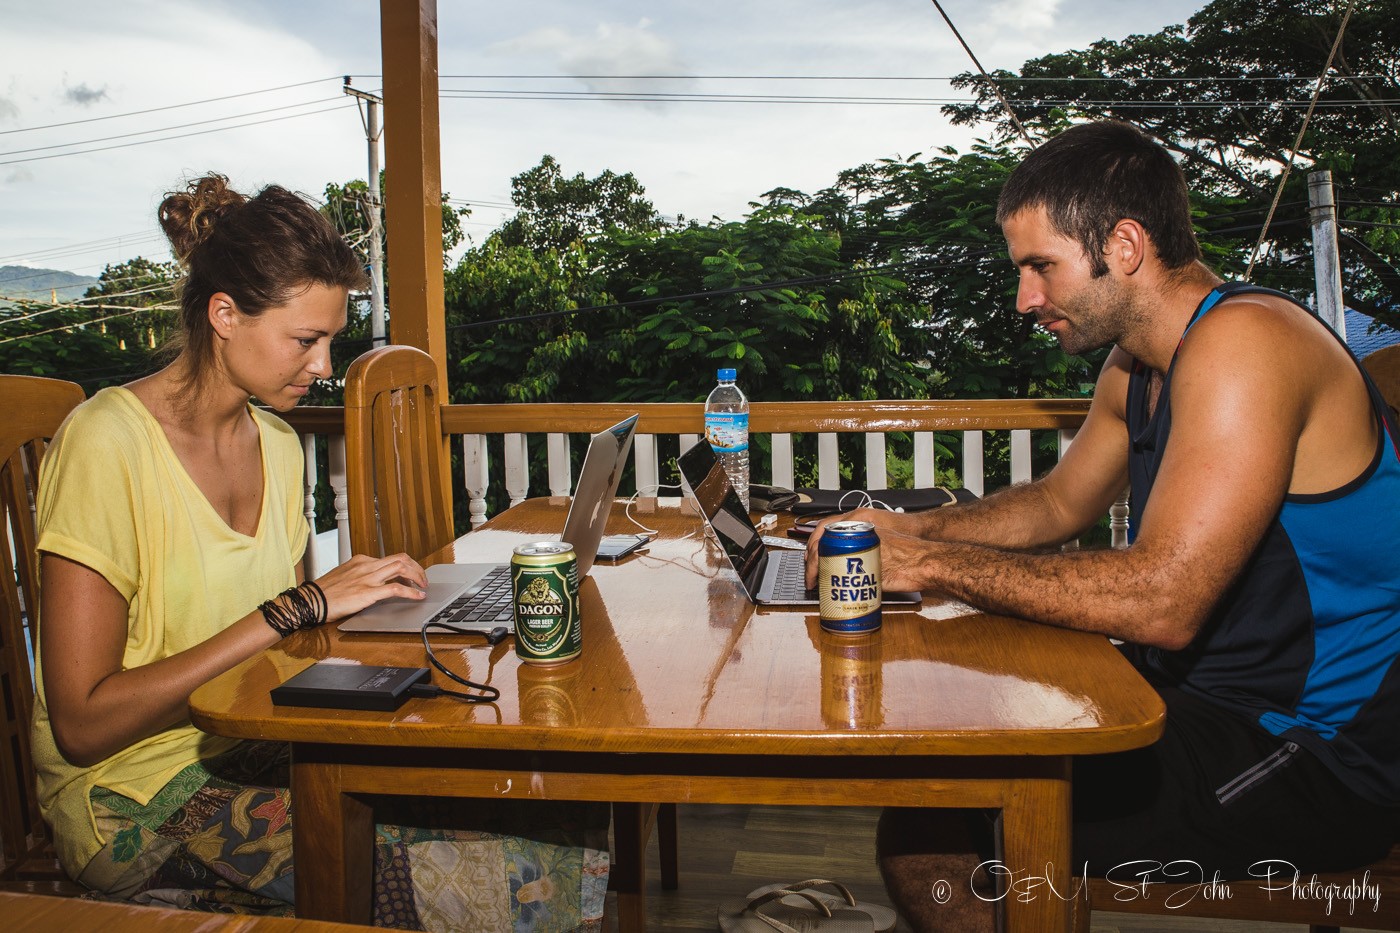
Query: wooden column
{"points": [[413, 165]]}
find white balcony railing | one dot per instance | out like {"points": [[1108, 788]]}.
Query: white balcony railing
{"points": [[495, 443]]}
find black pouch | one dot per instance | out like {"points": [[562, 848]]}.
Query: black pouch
{"points": [[770, 498]]}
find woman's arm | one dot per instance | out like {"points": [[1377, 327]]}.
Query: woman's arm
{"points": [[97, 708]]}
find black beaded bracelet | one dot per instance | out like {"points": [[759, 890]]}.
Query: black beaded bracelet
{"points": [[298, 608]]}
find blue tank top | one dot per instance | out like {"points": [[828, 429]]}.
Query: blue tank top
{"points": [[1305, 642]]}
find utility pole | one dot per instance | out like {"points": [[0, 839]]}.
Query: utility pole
{"points": [[376, 237], [1327, 269]]}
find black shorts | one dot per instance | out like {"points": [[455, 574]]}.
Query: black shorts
{"points": [[1218, 794]]}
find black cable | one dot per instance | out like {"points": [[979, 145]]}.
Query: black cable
{"points": [[488, 693]]}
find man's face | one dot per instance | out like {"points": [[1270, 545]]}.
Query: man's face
{"points": [[1057, 285]]}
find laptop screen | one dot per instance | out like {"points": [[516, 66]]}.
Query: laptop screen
{"points": [[597, 484], [726, 515]]}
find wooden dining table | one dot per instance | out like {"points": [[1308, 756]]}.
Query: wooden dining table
{"points": [[685, 692]]}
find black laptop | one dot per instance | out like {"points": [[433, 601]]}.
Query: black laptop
{"points": [[770, 578]]}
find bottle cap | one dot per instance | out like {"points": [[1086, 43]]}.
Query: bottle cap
{"points": [[728, 375]]}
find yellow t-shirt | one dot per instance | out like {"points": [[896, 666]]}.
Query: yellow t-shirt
{"points": [[114, 497]]}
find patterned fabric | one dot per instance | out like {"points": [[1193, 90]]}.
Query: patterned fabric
{"points": [[218, 838]]}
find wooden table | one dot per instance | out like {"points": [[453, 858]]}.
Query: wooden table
{"points": [[686, 693]]}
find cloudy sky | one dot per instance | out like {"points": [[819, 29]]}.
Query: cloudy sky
{"points": [[104, 106]]}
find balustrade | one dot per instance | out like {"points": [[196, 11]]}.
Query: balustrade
{"points": [[663, 430]]}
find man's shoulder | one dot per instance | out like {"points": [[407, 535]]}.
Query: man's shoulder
{"points": [[1257, 328]]}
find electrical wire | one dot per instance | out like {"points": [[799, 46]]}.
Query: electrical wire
{"points": [[146, 142], [1302, 130], [193, 103], [166, 129], [1092, 79], [110, 317], [985, 77]]}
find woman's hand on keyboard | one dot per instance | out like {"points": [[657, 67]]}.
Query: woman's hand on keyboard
{"points": [[362, 581]]}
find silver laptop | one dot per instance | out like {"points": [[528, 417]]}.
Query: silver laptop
{"points": [[770, 578], [479, 595]]}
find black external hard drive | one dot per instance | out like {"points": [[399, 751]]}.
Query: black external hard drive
{"points": [[349, 686]]}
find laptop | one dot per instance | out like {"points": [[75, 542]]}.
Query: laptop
{"points": [[479, 595], [770, 578]]}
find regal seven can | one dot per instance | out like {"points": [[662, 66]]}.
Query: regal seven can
{"points": [[545, 579], [848, 578]]}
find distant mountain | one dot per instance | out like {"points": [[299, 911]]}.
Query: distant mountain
{"points": [[41, 284]]}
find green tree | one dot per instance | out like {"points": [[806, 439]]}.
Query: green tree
{"points": [[555, 212], [107, 337], [1227, 94]]}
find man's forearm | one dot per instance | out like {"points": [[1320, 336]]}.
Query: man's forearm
{"points": [[1020, 517], [1125, 594]]}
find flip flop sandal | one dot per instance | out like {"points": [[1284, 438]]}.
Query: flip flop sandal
{"points": [[790, 912], [883, 917]]}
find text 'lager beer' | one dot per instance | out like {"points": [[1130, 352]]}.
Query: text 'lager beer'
{"points": [[547, 624]]}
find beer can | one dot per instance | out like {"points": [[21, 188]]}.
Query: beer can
{"points": [[848, 578], [544, 577]]}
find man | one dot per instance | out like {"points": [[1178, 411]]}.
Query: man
{"points": [[1261, 591]]}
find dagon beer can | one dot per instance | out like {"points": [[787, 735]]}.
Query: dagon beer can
{"points": [[547, 624], [848, 578]]}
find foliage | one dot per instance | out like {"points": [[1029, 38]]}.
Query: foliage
{"points": [[557, 212], [1227, 93], [108, 337]]}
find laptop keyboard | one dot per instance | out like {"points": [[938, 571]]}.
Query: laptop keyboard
{"points": [[790, 582], [491, 604]]}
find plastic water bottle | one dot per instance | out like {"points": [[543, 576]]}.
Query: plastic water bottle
{"points": [[727, 430]]}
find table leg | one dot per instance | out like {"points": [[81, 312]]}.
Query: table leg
{"points": [[333, 846], [1036, 845], [632, 824]]}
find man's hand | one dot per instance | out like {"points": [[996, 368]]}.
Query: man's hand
{"points": [[887, 525]]}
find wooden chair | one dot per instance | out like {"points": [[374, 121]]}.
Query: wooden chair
{"points": [[1383, 367], [398, 483], [34, 408]]}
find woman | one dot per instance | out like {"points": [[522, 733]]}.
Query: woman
{"points": [[171, 534]]}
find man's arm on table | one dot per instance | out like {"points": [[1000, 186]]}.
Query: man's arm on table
{"points": [[1049, 511], [1220, 483]]}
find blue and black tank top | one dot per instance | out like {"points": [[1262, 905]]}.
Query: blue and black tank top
{"points": [[1305, 642]]}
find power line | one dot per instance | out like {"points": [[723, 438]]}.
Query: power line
{"points": [[144, 142], [137, 113], [1288, 166], [84, 246], [866, 101], [165, 129], [110, 317], [760, 77], [986, 77], [830, 278]]}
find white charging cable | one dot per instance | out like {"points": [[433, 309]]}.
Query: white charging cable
{"points": [[646, 490], [867, 501]]}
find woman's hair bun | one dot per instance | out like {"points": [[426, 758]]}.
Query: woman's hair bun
{"points": [[188, 217]]}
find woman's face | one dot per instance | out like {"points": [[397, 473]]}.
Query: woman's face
{"points": [[277, 355]]}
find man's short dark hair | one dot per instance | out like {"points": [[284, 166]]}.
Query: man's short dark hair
{"points": [[1091, 176]]}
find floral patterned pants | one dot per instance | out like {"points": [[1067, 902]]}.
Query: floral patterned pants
{"points": [[218, 837]]}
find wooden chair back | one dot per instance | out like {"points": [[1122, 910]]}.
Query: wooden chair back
{"points": [[398, 475], [1383, 367], [34, 408]]}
